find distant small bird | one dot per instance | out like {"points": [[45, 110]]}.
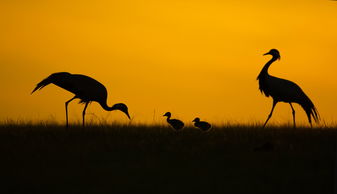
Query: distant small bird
{"points": [[282, 90], [175, 123], [266, 147], [203, 125], [85, 88]]}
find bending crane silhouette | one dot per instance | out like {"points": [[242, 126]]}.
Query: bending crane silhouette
{"points": [[203, 125], [175, 123], [85, 88], [282, 90]]}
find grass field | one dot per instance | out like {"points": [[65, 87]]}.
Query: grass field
{"points": [[156, 159]]}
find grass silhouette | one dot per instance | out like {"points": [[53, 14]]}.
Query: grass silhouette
{"points": [[48, 158]]}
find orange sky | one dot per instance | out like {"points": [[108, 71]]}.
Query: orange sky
{"points": [[193, 58]]}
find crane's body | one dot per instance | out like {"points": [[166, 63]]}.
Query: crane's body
{"points": [[85, 88], [203, 125], [175, 123], [282, 90]]}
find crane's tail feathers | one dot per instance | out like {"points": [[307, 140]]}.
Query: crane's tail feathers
{"points": [[42, 84], [310, 110]]}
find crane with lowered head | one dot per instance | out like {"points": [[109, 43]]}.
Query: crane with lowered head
{"points": [[85, 88]]}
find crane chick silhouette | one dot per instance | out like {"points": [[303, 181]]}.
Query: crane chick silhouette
{"points": [[175, 123], [85, 88], [203, 125], [282, 90]]}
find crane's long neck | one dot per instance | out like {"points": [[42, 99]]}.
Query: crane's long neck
{"points": [[264, 70], [106, 107], [168, 118]]}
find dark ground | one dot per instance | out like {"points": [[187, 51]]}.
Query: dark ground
{"points": [[106, 159]]}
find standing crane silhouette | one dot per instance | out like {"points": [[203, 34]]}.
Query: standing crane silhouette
{"points": [[175, 123], [282, 90], [85, 88]]}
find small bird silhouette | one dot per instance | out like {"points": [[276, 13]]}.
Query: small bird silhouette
{"points": [[175, 123], [85, 88], [282, 90], [203, 125]]}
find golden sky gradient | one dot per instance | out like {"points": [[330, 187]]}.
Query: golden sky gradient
{"points": [[191, 57]]}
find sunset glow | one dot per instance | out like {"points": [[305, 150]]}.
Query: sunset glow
{"points": [[192, 58]]}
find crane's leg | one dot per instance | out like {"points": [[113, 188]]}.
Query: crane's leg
{"points": [[271, 113], [67, 109], [83, 113], [292, 108], [310, 122]]}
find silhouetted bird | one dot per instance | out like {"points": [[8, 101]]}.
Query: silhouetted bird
{"points": [[203, 125], [266, 147], [175, 123], [282, 90], [85, 88]]}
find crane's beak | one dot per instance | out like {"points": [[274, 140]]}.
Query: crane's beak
{"points": [[127, 114], [266, 54]]}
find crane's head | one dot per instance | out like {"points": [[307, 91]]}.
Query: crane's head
{"points": [[196, 120], [167, 114], [275, 53], [122, 107]]}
